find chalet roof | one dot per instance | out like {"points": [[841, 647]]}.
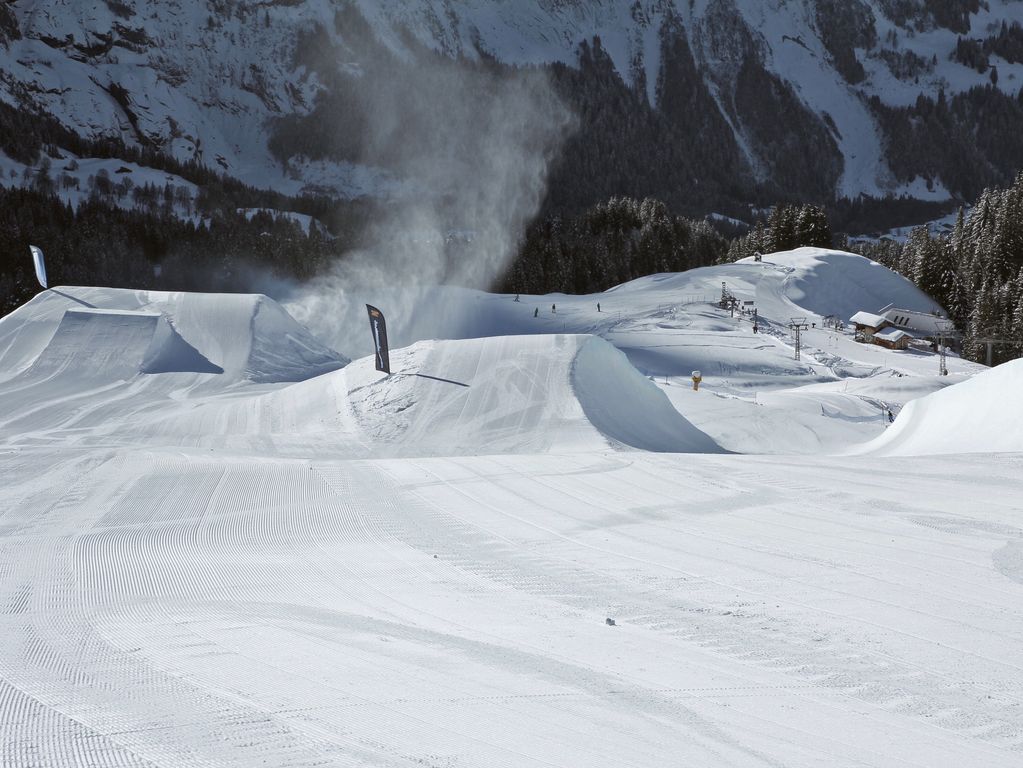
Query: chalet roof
{"points": [[920, 322], [891, 334], [868, 318]]}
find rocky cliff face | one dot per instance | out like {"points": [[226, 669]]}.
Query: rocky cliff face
{"points": [[804, 96]]}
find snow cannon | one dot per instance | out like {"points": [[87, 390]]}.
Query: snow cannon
{"points": [[697, 378]]}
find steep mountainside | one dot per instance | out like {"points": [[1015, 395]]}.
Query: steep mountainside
{"points": [[807, 98]]}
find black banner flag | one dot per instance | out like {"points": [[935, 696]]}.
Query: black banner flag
{"points": [[379, 327]]}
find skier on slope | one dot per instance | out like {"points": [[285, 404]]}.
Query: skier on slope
{"points": [[536, 312]]}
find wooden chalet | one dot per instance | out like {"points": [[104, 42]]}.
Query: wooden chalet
{"points": [[867, 324], [892, 338], [896, 328]]}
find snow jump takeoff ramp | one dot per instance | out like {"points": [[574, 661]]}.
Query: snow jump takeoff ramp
{"points": [[79, 358], [515, 394], [112, 344], [244, 337]]}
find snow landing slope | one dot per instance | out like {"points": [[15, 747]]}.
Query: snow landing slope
{"points": [[516, 394], [981, 415]]}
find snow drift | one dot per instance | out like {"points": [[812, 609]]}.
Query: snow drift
{"points": [[983, 414]]}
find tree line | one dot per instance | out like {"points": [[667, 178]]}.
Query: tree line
{"points": [[975, 271], [610, 243], [101, 244]]}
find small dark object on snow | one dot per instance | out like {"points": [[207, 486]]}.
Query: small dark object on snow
{"points": [[536, 311], [609, 622], [434, 557]]}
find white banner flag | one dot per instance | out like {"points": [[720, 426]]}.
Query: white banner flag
{"points": [[37, 257]]}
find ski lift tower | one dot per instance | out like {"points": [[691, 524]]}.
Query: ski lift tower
{"points": [[945, 331], [797, 325], [989, 343]]}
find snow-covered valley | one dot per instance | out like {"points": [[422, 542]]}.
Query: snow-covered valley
{"points": [[220, 545]]}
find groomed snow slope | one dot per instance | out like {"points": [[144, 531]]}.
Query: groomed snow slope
{"points": [[827, 282], [199, 569], [168, 607], [981, 415]]}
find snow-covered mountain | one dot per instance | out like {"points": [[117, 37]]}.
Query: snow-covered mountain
{"points": [[212, 80]]}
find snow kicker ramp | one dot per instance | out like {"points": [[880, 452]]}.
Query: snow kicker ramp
{"points": [[515, 394], [983, 414], [117, 344], [238, 336]]}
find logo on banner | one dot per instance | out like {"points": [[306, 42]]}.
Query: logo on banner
{"points": [[379, 328]]}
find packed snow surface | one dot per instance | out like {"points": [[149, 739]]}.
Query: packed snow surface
{"points": [[241, 335], [221, 545], [982, 415]]}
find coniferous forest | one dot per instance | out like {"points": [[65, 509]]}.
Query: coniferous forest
{"points": [[976, 271]]}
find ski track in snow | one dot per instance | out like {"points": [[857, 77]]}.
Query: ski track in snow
{"points": [[204, 569]]}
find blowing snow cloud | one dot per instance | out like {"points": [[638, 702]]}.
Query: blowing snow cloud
{"points": [[471, 142]]}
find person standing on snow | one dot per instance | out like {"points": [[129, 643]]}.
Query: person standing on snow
{"points": [[554, 309], [536, 312]]}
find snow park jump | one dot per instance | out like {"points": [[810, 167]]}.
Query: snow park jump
{"points": [[222, 539], [511, 384]]}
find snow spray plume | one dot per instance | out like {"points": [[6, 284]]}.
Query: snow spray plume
{"points": [[472, 143]]}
